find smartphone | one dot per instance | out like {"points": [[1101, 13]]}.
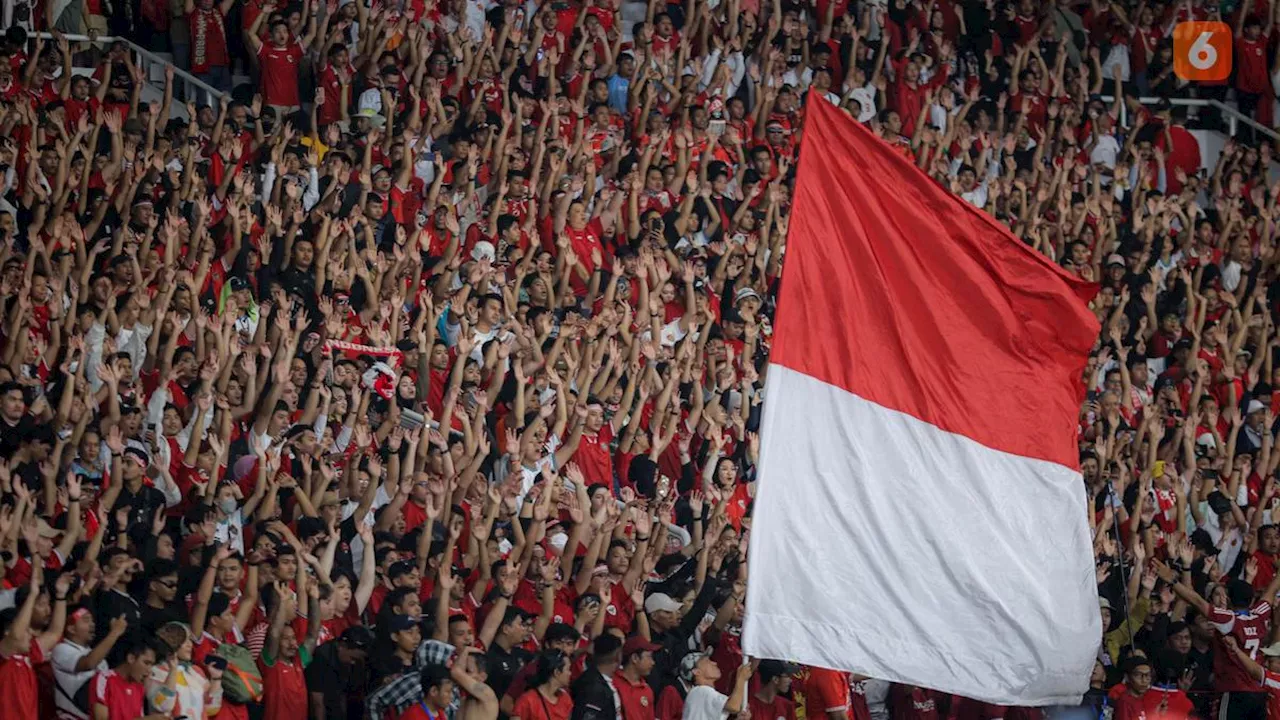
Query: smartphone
{"points": [[715, 128]]}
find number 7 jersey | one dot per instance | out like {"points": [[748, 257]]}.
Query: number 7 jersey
{"points": [[1250, 629]]}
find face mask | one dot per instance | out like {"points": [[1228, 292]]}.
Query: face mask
{"points": [[227, 505]]}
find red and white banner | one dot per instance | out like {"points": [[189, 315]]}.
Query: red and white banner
{"points": [[920, 515]]}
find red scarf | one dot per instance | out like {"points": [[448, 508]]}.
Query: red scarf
{"points": [[205, 25]]}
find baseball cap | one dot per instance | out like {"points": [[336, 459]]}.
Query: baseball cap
{"points": [[400, 568], [45, 530], [1115, 259], [688, 663], [745, 293], [1104, 604], [636, 644], [1255, 406], [658, 602], [401, 623], [357, 637]]}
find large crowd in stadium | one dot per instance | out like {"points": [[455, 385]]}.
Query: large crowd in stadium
{"points": [[413, 369]]}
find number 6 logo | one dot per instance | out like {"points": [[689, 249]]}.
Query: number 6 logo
{"points": [[1202, 51]]}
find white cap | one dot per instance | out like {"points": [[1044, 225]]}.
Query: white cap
{"points": [[661, 601], [1255, 406], [370, 99], [484, 250]]}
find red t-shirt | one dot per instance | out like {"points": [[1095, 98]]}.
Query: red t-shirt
{"points": [[670, 704], [636, 699], [284, 688], [1154, 703], [780, 709], [419, 712], [1251, 65], [534, 706], [123, 698], [825, 691], [593, 457], [19, 690], [280, 73]]}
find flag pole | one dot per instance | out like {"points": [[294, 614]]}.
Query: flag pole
{"points": [[1124, 580]]}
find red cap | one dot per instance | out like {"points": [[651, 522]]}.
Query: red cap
{"points": [[636, 644]]}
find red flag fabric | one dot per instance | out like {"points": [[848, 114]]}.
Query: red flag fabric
{"points": [[920, 514]]}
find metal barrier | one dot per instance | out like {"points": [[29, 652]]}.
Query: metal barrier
{"points": [[153, 66], [1233, 117]]}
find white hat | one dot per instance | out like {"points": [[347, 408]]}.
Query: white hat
{"points": [[370, 99], [658, 602], [372, 116], [483, 250], [1255, 406]]}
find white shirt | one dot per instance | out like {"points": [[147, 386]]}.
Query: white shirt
{"points": [[705, 703], [866, 98], [231, 531], [1105, 151], [65, 656]]}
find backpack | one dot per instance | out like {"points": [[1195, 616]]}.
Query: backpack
{"points": [[242, 681]]}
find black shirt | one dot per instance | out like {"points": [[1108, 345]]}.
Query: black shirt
{"points": [[143, 504], [342, 685], [110, 605], [155, 618], [503, 666]]}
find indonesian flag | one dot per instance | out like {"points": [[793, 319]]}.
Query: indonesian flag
{"points": [[921, 514]]}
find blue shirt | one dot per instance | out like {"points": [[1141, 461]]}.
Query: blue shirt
{"points": [[618, 89]]}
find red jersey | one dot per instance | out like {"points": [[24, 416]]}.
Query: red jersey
{"points": [[1251, 65], [1250, 631], [780, 709], [532, 705], [670, 704], [19, 691], [331, 110], [284, 687], [280, 73], [825, 691], [122, 697], [593, 457], [636, 699], [1271, 683], [909, 702], [1157, 702]]}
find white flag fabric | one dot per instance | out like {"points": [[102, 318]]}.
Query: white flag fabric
{"points": [[920, 516]]}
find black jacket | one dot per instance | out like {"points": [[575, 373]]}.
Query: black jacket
{"points": [[675, 642], [593, 697]]}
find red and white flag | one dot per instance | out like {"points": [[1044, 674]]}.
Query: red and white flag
{"points": [[921, 515]]}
